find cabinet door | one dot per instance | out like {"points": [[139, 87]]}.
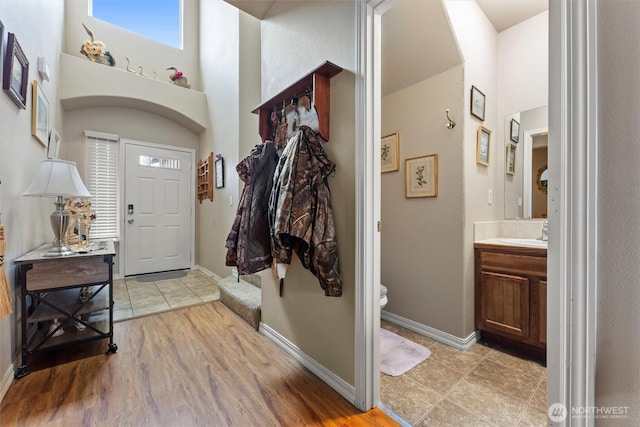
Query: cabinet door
{"points": [[504, 304]]}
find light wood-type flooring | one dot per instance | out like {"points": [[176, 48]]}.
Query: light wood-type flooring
{"points": [[197, 366]]}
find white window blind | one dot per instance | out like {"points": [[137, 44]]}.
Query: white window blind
{"points": [[102, 182]]}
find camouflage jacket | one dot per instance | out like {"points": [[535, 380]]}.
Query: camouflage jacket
{"points": [[300, 213], [249, 242]]}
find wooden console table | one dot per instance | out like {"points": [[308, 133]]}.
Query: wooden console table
{"points": [[65, 300]]}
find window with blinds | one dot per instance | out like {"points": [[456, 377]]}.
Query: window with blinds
{"points": [[102, 182]]}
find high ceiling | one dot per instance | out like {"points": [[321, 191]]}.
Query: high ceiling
{"points": [[505, 14]]}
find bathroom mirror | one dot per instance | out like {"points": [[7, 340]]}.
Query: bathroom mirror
{"points": [[525, 191]]}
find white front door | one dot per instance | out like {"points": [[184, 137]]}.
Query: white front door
{"points": [[157, 209]]}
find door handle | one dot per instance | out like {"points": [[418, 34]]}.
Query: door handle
{"points": [[130, 220]]}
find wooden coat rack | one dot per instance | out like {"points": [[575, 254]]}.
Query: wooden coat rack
{"points": [[318, 82]]}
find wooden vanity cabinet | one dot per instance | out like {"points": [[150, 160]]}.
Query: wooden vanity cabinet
{"points": [[510, 297]]}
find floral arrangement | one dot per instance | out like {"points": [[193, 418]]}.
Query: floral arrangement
{"points": [[96, 51]]}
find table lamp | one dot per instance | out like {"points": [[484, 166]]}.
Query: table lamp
{"points": [[59, 179]]}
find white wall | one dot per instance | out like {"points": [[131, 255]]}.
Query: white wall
{"points": [[477, 40], [421, 239], [230, 61], [523, 76], [38, 28], [296, 38], [150, 54], [618, 304]]}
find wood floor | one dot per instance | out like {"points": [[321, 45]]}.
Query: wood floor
{"points": [[198, 366]]}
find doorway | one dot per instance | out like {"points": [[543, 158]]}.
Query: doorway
{"points": [[158, 208]]}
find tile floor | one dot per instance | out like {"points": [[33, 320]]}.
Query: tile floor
{"points": [[136, 299], [479, 387]]}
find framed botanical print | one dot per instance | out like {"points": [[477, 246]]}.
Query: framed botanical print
{"points": [[483, 146], [16, 72], [390, 153], [421, 176], [510, 165]]}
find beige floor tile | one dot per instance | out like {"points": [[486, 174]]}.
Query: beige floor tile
{"points": [[539, 399], [407, 398], [462, 361], [483, 400], [145, 309], [170, 284], [448, 414], [505, 380], [533, 417], [435, 375], [518, 364], [121, 314], [182, 300]]}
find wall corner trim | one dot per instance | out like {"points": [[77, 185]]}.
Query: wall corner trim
{"points": [[7, 379]]}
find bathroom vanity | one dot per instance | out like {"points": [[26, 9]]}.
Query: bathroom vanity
{"points": [[511, 294]]}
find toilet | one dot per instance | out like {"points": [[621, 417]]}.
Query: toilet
{"points": [[383, 296]]}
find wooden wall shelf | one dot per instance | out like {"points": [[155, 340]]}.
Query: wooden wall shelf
{"points": [[205, 179], [318, 81]]}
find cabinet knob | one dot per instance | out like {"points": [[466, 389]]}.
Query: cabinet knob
{"points": [[130, 220]]}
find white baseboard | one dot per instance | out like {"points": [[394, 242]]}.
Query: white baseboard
{"points": [[463, 344], [7, 379], [345, 389]]}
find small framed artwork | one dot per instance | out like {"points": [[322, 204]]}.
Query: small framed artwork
{"points": [[484, 145], [53, 150], [515, 130], [219, 171], [16, 72], [390, 153], [511, 159], [421, 176], [40, 115], [477, 103]]}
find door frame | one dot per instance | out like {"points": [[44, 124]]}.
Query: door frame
{"points": [[572, 293], [192, 192]]}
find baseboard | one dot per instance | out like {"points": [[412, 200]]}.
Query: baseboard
{"points": [[345, 389], [208, 273], [7, 379], [463, 344]]}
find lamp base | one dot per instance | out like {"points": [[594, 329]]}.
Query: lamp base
{"points": [[58, 251], [59, 223]]}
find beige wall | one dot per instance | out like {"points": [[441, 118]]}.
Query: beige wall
{"points": [[298, 37], [38, 28], [421, 238]]}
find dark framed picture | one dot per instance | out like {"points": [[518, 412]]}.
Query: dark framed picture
{"points": [[1, 48], [219, 171], [515, 130], [16, 72], [477, 103]]}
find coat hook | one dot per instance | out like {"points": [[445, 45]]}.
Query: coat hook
{"points": [[451, 124]]}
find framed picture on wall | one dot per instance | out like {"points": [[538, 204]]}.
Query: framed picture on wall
{"points": [[421, 176], [40, 115], [515, 130], [511, 159], [16, 72], [53, 150], [1, 48], [390, 153], [477, 103], [219, 171], [483, 146]]}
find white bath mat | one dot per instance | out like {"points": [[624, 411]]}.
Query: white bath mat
{"points": [[398, 354]]}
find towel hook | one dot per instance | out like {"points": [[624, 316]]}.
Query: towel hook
{"points": [[450, 123]]}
